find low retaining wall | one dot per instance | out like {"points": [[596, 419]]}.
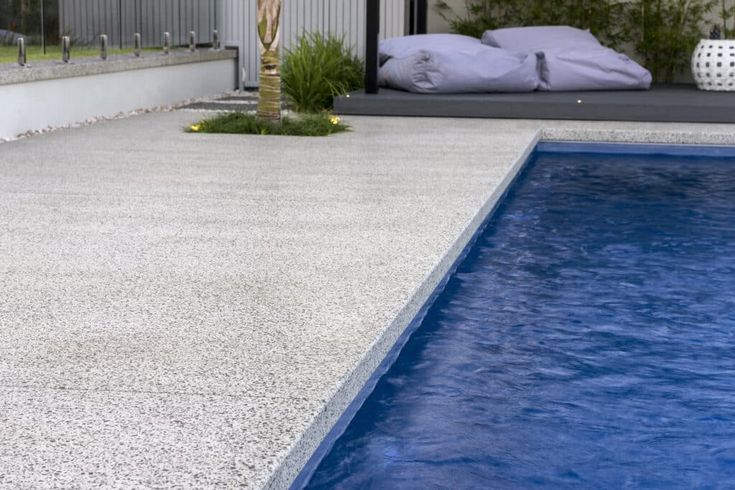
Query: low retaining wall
{"points": [[58, 94]]}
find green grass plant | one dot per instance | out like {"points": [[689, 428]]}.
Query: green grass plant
{"points": [[318, 69], [9, 54], [322, 124]]}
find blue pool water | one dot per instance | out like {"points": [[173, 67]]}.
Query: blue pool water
{"points": [[587, 340]]}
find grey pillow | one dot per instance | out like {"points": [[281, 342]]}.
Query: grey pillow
{"points": [[399, 47], [590, 69], [539, 38], [451, 70]]}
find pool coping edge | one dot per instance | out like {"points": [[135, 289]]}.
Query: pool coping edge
{"points": [[638, 136], [339, 411], [303, 458]]}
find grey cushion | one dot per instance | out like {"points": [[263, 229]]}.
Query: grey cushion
{"points": [[452, 70], [571, 59], [539, 38], [399, 47], [590, 69]]}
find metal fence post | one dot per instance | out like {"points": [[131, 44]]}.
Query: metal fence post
{"points": [[22, 51], [103, 46], [136, 44], [215, 40], [372, 34], [65, 49]]}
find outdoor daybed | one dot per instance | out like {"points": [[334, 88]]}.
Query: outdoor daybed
{"points": [[521, 59]]}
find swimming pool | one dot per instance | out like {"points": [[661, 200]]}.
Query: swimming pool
{"points": [[586, 340]]}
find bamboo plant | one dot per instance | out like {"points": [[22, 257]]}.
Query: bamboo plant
{"points": [[727, 13], [663, 33]]}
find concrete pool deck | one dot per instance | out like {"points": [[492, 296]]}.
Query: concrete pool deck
{"points": [[197, 310]]}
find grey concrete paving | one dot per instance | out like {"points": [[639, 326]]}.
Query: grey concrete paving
{"points": [[197, 310]]}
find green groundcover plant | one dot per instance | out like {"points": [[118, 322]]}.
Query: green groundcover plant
{"points": [[34, 53], [321, 124], [318, 69]]}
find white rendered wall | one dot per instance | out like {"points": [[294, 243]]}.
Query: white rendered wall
{"points": [[58, 102]]}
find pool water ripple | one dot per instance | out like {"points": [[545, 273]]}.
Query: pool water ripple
{"points": [[587, 341]]}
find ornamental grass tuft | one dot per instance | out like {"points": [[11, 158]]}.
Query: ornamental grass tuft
{"points": [[322, 124], [317, 70]]}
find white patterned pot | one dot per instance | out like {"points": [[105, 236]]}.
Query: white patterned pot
{"points": [[713, 65]]}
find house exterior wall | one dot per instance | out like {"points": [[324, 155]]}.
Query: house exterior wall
{"points": [[435, 22]]}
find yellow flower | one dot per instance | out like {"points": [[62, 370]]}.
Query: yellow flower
{"points": [[195, 127], [334, 120]]}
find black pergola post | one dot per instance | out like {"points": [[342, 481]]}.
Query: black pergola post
{"points": [[372, 33], [120, 23], [422, 9], [43, 25], [417, 16]]}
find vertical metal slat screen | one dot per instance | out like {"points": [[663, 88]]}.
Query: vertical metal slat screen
{"points": [[85, 20]]}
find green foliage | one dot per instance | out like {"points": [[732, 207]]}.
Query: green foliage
{"points": [[9, 54], [24, 17], [666, 32], [318, 69], [602, 17], [727, 16], [322, 124], [662, 32]]}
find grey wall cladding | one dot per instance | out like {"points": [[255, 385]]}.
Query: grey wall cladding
{"points": [[85, 20]]}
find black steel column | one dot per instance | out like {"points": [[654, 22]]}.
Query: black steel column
{"points": [[422, 11], [411, 4], [43, 25], [372, 33], [216, 25], [120, 23]]}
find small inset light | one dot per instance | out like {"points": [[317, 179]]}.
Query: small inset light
{"points": [[579, 101]]}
